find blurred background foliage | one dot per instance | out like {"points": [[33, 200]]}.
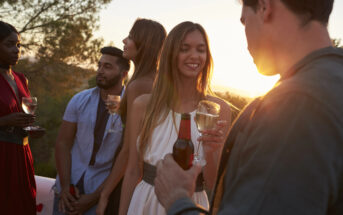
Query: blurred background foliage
{"points": [[59, 54]]}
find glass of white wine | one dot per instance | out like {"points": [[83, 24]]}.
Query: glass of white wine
{"points": [[29, 105], [206, 117], [112, 103]]}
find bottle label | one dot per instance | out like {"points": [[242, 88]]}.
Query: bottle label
{"points": [[185, 127]]}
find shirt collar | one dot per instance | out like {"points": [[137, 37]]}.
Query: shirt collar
{"points": [[311, 57]]}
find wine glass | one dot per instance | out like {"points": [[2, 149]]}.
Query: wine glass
{"points": [[29, 105], [206, 117], [112, 103]]}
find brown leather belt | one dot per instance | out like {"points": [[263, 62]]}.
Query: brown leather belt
{"points": [[14, 135]]}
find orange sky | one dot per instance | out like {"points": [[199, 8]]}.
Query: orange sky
{"points": [[233, 65]]}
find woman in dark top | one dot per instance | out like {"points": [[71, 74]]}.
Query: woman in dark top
{"points": [[17, 182]]}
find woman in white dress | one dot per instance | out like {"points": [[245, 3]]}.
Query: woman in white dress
{"points": [[182, 81]]}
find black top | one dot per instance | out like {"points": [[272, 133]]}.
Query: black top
{"points": [[99, 130]]}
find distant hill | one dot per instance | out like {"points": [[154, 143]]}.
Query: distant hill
{"points": [[237, 92], [237, 102]]}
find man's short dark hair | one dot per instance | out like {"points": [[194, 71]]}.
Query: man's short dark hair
{"points": [[123, 63], [6, 29], [308, 10]]}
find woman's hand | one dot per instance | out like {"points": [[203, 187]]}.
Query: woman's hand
{"points": [[19, 119], [213, 139]]}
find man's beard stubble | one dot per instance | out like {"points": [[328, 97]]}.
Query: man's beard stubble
{"points": [[109, 83]]}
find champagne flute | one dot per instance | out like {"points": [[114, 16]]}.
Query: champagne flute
{"points": [[206, 117], [29, 105], [112, 103]]}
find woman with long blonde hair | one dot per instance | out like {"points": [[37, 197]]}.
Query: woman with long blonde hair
{"points": [[143, 46], [183, 80]]}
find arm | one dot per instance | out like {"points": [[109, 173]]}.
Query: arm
{"points": [[119, 167], [64, 143], [86, 201], [185, 206], [19, 119], [213, 142], [113, 179], [134, 170]]}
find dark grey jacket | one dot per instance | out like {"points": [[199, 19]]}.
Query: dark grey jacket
{"points": [[284, 154]]}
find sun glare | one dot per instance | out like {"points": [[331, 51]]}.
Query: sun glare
{"points": [[234, 69]]}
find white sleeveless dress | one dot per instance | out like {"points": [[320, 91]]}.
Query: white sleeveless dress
{"points": [[144, 200]]}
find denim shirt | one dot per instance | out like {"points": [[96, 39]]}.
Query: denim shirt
{"points": [[82, 110]]}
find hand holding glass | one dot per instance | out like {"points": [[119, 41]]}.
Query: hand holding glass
{"points": [[206, 117], [112, 103], [29, 105]]}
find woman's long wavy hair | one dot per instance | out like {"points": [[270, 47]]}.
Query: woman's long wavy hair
{"points": [[148, 36], [165, 91]]}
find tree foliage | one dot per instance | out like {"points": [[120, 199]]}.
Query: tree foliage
{"points": [[57, 39], [56, 29], [236, 102], [54, 83], [337, 43]]}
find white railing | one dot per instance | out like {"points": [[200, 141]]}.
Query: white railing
{"points": [[45, 195]]}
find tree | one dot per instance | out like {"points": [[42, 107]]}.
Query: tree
{"points": [[337, 43], [236, 102], [56, 29], [57, 37]]}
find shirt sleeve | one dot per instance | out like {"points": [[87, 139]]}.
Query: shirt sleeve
{"points": [[285, 162], [185, 206], [71, 112]]}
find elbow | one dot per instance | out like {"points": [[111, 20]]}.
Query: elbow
{"points": [[133, 174]]}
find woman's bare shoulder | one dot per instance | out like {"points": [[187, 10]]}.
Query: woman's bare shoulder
{"points": [[140, 84], [139, 87], [141, 101]]}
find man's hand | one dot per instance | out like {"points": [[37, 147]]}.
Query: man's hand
{"points": [[82, 204], [66, 200], [172, 182]]}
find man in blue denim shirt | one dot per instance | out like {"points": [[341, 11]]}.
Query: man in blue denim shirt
{"points": [[284, 154], [85, 150]]}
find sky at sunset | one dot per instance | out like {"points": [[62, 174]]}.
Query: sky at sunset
{"points": [[233, 66]]}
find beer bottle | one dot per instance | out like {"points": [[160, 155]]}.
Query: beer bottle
{"points": [[183, 149]]}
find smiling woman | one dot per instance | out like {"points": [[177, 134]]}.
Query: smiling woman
{"points": [[234, 69], [192, 55], [183, 80]]}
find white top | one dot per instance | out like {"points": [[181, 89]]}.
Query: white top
{"points": [[144, 200], [166, 133]]}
